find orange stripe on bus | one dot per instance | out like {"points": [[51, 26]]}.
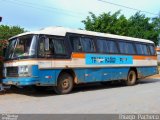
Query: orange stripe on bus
{"points": [[135, 57], [78, 55], [157, 49], [145, 57]]}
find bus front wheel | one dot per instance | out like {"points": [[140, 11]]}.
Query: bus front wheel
{"points": [[64, 84], [131, 78]]}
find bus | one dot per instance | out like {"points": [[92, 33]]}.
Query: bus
{"points": [[61, 58]]}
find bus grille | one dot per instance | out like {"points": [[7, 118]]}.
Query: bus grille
{"points": [[12, 71]]}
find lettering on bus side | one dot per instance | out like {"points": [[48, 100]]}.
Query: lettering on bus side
{"points": [[95, 59]]}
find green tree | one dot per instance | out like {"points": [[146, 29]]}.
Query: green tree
{"points": [[106, 22], [142, 27], [138, 25], [156, 23], [6, 32]]}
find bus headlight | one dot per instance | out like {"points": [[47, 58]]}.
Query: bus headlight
{"points": [[24, 70]]}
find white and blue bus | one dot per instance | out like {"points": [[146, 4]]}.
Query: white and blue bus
{"points": [[61, 58]]}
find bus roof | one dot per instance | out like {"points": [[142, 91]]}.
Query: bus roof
{"points": [[61, 31]]}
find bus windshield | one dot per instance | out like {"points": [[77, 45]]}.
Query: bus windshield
{"points": [[21, 47]]}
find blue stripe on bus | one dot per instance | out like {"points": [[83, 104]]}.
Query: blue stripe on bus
{"points": [[21, 81], [93, 59], [84, 75], [147, 71], [101, 74], [109, 74]]}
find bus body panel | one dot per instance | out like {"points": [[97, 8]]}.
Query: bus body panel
{"points": [[147, 71], [105, 74], [43, 74], [47, 77], [84, 75], [21, 81]]}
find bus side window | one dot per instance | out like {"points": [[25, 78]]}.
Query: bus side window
{"points": [[75, 43], [102, 45], [112, 47], [59, 47], [152, 50], [142, 49], [87, 44], [50, 52], [126, 48], [41, 52]]}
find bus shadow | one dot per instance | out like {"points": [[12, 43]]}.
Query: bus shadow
{"points": [[148, 80], [99, 86], [30, 91], [96, 86]]}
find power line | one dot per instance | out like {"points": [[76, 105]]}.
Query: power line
{"points": [[64, 11], [47, 8], [128, 7]]}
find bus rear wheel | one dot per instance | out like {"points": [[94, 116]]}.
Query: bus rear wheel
{"points": [[131, 78], [64, 84]]}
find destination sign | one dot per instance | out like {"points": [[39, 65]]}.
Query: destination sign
{"points": [[95, 59]]}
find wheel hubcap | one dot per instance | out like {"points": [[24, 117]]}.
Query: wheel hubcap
{"points": [[65, 84]]}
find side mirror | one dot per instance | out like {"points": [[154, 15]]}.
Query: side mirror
{"points": [[46, 44]]}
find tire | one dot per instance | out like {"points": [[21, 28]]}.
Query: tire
{"points": [[64, 84], [131, 78]]}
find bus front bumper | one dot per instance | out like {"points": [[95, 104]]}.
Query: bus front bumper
{"points": [[21, 81]]}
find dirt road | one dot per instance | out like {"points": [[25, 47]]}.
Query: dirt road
{"points": [[92, 98]]}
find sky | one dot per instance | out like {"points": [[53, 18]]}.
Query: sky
{"points": [[37, 14]]}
